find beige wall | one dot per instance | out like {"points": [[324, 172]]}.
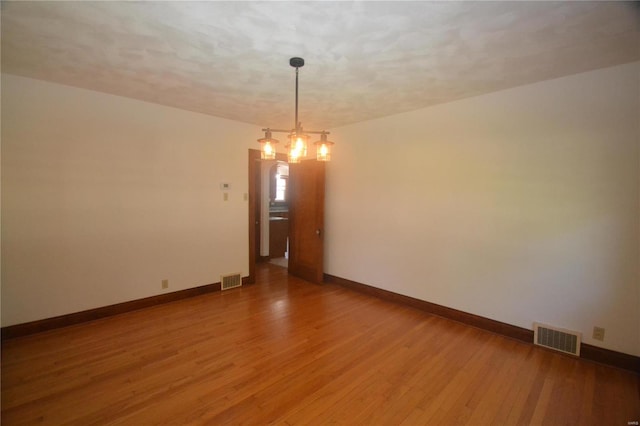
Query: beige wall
{"points": [[104, 196], [520, 206]]}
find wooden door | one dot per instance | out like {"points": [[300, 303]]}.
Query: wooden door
{"points": [[306, 220]]}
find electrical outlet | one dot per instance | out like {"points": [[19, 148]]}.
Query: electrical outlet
{"points": [[598, 333], [165, 283]]}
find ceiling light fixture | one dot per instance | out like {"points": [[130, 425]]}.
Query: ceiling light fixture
{"points": [[298, 139]]}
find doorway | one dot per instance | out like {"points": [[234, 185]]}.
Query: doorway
{"points": [[303, 206], [274, 228], [268, 211]]}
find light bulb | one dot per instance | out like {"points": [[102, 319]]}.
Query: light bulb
{"points": [[294, 156]]}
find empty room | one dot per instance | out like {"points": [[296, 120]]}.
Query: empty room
{"points": [[300, 212]]}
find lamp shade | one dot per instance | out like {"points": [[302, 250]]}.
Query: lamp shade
{"points": [[323, 148], [297, 148], [268, 149]]}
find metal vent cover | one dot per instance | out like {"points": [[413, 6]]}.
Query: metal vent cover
{"points": [[230, 281], [559, 339]]}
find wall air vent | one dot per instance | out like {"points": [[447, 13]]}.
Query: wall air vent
{"points": [[559, 339], [230, 281]]}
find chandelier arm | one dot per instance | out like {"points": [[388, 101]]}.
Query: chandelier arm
{"points": [[317, 132], [278, 130]]}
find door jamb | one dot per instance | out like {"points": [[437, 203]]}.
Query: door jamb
{"points": [[254, 155]]}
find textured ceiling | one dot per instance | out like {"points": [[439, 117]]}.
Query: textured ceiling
{"points": [[363, 59]]}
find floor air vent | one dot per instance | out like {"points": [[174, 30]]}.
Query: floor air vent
{"points": [[230, 281], [562, 340]]}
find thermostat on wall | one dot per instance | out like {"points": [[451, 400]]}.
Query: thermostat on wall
{"points": [[225, 186]]}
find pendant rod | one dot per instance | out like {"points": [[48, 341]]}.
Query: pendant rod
{"points": [[297, 124]]}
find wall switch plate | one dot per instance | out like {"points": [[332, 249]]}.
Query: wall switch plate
{"points": [[225, 196], [165, 283], [598, 333]]}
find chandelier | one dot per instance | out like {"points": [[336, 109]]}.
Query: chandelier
{"points": [[298, 139]]}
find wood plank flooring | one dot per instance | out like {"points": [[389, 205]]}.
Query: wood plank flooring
{"points": [[285, 351]]}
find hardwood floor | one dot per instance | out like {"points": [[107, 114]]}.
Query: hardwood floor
{"points": [[289, 352]]}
